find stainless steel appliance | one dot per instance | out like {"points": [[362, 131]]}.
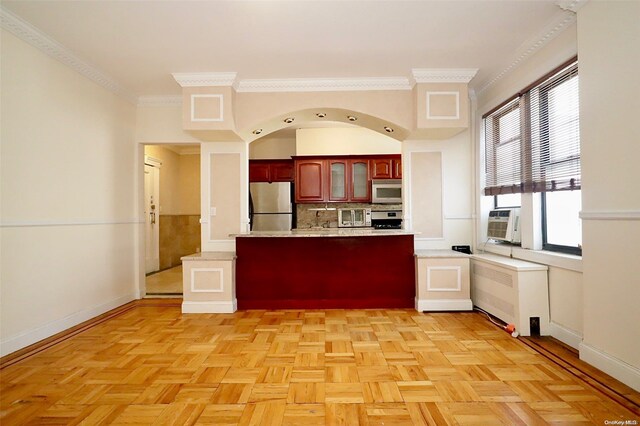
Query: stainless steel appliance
{"points": [[387, 191], [270, 207], [386, 219], [354, 218]]}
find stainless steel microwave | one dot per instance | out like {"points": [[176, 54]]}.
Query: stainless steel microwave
{"points": [[354, 218], [386, 191]]}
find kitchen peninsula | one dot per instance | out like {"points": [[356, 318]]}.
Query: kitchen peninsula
{"points": [[324, 269]]}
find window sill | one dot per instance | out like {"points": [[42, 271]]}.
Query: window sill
{"points": [[558, 260]]}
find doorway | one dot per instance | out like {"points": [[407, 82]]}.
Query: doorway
{"points": [[172, 215]]}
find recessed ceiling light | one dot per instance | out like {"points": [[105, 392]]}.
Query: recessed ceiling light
{"points": [[289, 120], [351, 118], [388, 129], [321, 115], [257, 131]]}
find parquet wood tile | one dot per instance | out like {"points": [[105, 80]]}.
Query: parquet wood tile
{"points": [[153, 365]]}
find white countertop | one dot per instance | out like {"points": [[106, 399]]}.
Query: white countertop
{"points": [[509, 263], [329, 232], [445, 253], [210, 255]]}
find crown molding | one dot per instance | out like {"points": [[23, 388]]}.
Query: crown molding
{"points": [[160, 100], [562, 21], [205, 79], [571, 5], [28, 33], [443, 75], [324, 84]]}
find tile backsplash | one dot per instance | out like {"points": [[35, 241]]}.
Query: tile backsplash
{"points": [[308, 218]]}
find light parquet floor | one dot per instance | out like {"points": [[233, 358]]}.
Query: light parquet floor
{"points": [[155, 365]]}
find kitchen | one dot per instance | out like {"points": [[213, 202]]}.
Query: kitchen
{"points": [[338, 215]]}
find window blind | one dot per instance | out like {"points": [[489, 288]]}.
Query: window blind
{"points": [[533, 141]]}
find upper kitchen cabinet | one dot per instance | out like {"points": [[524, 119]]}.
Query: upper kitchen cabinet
{"points": [[388, 167], [271, 171], [332, 179], [310, 180]]}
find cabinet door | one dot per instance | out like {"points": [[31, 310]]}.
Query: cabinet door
{"points": [[259, 172], [397, 168], [310, 181], [338, 180], [281, 171], [360, 181], [381, 168]]}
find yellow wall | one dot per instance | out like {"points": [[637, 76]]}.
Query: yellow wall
{"points": [[179, 181], [68, 179]]}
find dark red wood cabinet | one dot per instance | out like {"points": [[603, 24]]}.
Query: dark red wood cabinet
{"points": [[388, 167], [271, 171], [310, 178]]}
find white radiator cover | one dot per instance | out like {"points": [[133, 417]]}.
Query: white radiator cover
{"points": [[512, 290]]}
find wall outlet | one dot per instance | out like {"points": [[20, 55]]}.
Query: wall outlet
{"points": [[534, 326]]}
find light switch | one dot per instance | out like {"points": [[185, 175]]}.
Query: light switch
{"points": [[213, 211]]}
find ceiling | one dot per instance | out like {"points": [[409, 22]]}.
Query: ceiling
{"points": [[140, 43]]}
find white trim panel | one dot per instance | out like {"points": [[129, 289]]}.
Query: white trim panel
{"points": [[30, 337], [443, 117], [565, 335], [626, 373], [210, 307], [444, 305], [193, 106], [193, 280], [611, 215], [458, 270]]}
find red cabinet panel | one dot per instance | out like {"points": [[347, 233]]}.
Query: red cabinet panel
{"points": [[397, 168], [310, 180], [381, 168], [270, 170]]}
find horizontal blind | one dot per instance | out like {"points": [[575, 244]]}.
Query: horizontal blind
{"points": [[555, 133], [503, 142], [533, 141]]}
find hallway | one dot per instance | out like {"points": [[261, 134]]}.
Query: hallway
{"points": [[165, 283]]}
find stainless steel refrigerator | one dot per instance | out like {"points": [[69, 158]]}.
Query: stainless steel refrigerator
{"points": [[270, 206]]}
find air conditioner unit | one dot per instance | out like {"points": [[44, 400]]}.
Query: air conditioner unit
{"points": [[504, 225]]}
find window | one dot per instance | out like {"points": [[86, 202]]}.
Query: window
{"points": [[532, 144], [561, 226], [506, 201]]}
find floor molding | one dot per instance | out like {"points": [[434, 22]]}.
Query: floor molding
{"points": [[60, 337], [567, 357]]}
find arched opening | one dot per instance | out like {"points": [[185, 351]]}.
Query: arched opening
{"points": [[348, 145]]}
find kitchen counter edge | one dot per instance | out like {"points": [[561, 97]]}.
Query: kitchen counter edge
{"points": [[327, 233]]}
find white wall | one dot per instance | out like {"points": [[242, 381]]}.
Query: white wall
{"points": [[608, 40], [455, 206], [69, 223], [344, 141], [271, 148]]}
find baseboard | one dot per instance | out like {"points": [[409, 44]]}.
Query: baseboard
{"points": [[565, 335], [15, 343], [210, 307], [618, 369], [444, 305]]}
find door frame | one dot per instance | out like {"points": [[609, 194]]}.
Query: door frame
{"points": [[157, 165]]}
